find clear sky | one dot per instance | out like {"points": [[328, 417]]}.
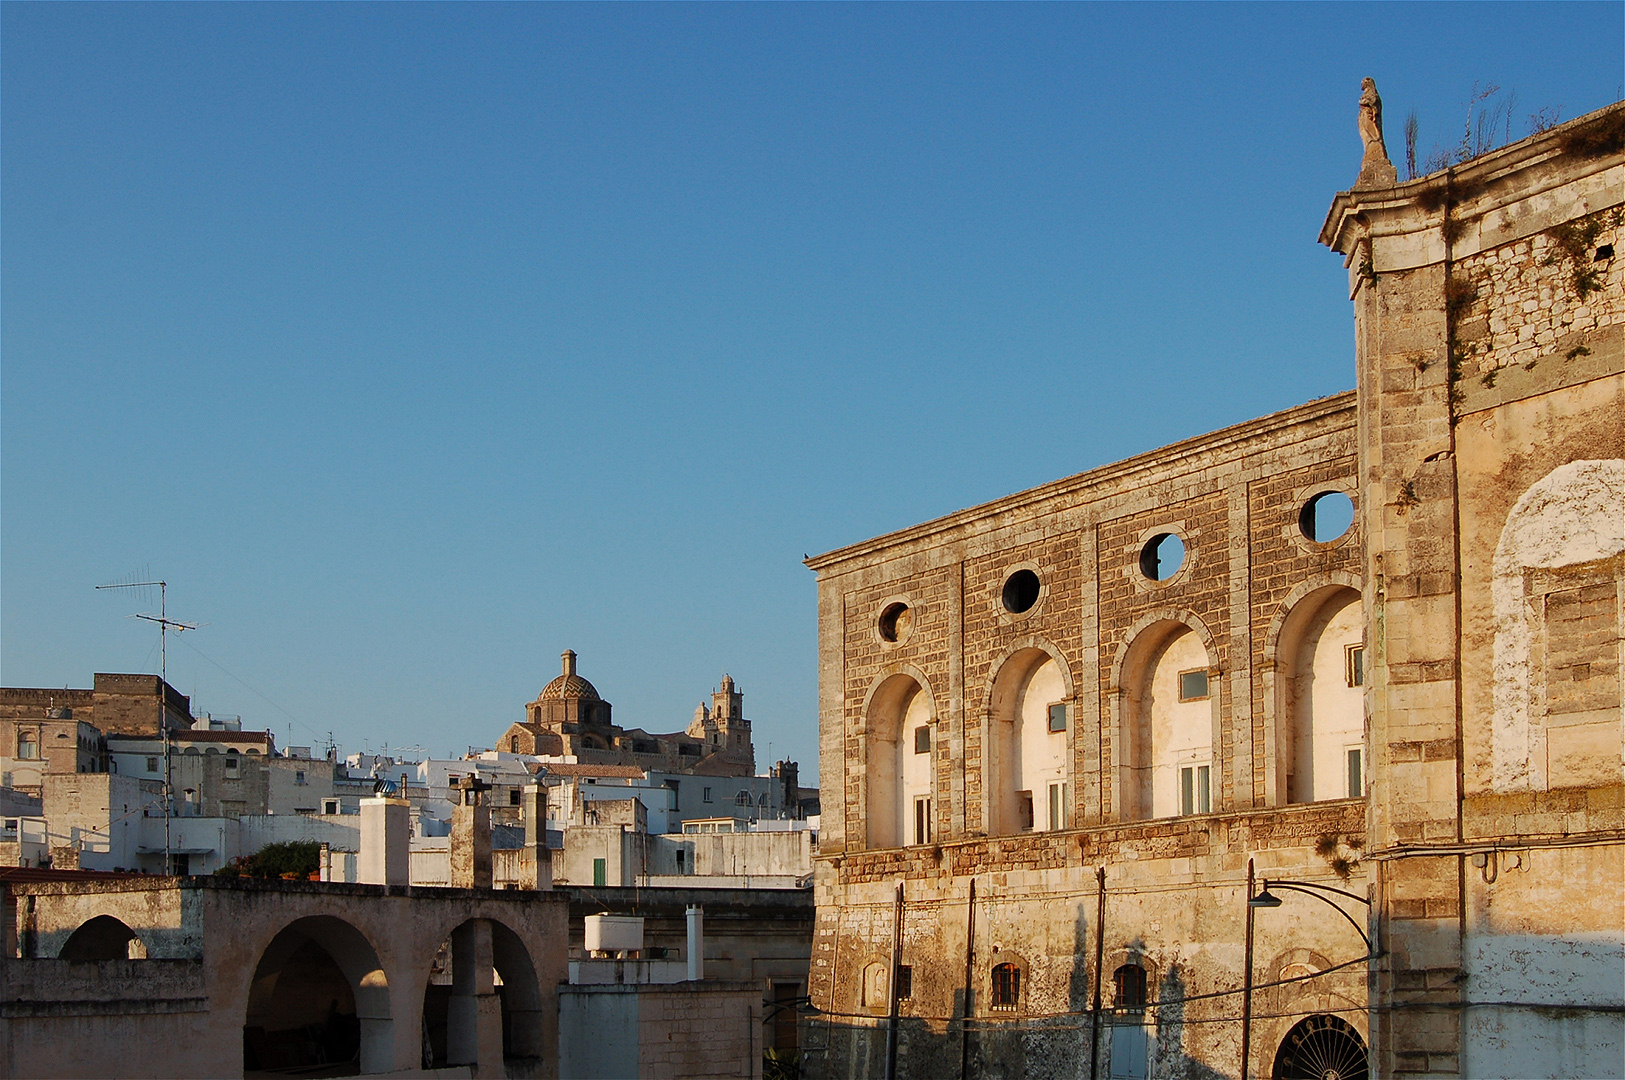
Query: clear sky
{"points": [[414, 344]]}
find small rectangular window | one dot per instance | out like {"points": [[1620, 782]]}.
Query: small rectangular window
{"points": [[905, 982], [331, 806], [600, 873], [1355, 658], [298, 778], [1356, 759], [706, 795], [27, 745], [1193, 685], [1195, 789], [1057, 716], [922, 740], [1024, 810], [513, 797], [922, 820], [1006, 986], [1057, 806], [152, 764]]}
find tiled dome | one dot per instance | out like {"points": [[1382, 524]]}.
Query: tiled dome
{"points": [[569, 684]]}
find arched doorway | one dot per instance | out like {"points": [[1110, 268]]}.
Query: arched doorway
{"points": [[482, 999], [1321, 1047], [103, 938], [319, 1004]]}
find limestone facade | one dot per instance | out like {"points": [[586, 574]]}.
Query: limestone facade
{"points": [[1052, 744]]}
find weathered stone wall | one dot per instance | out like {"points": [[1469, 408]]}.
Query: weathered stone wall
{"points": [[1492, 413], [1175, 886]]}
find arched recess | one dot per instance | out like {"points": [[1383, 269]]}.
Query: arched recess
{"points": [[482, 1002], [103, 938], [1027, 782], [898, 798], [1167, 705], [1314, 663], [1557, 576], [319, 975]]}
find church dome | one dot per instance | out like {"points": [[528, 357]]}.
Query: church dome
{"points": [[569, 684]]}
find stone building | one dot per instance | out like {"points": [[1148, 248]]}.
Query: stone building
{"points": [[53, 731], [1062, 732], [569, 719]]}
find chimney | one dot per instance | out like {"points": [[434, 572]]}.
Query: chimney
{"points": [[471, 836], [696, 942], [386, 842], [536, 865]]}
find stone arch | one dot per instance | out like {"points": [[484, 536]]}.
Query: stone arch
{"points": [[482, 1001], [319, 971], [103, 938], [1313, 714], [1147, 763], [1027, 778], [897, 702], [1563, 543]]}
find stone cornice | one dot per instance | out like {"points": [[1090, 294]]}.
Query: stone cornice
{"points": [[1230, 441]]}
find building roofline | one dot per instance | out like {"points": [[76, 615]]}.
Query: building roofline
{"points": [[1231, 436], [1480, 171]]}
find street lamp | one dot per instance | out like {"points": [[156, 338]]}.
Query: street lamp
{"points": [[1263, 898]]}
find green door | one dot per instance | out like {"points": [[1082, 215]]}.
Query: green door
{"points": [[599, 876]]}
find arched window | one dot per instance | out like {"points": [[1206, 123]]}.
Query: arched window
{"points": [[27, 745], [898, 780], [742, 799], [1320, 745], [1129, 984], [1165, 765], [1006, 986], [1029, 785]]}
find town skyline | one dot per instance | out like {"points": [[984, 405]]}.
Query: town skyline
{"points": [[414, 348]]}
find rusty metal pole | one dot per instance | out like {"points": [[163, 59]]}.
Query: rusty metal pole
{"points": [[896, 964], [970, 955], [1247, 981], [1100, 958]]}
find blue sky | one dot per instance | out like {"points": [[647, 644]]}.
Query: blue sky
{"points": [[415, 344]]}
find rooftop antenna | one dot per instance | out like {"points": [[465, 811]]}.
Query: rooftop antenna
{"points": [[164, 623]]}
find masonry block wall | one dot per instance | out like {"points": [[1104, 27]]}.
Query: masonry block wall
{"points": [[1176, 885], [1490, 331]]}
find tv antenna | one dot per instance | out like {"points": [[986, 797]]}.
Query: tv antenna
{"points": [[164, 623]]}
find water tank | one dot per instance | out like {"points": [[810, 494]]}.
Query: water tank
{"points": [[614, 933]]}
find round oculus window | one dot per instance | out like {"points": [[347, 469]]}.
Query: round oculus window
{"points": [[1326, 517], [1162, 556], [894, 622], [1020, 591]]}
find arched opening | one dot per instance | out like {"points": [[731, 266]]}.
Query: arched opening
{"points": [[1321, 1047], [1320, 710], [482, 1000], [899, 774], [103, 938], [319, 1004], [1028, 787], [1168, 722]]}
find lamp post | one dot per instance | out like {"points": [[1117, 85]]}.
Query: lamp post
{"points": [[1266, 899]]}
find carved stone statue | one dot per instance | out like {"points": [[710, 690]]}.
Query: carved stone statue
{"points": [[1375, 168]]}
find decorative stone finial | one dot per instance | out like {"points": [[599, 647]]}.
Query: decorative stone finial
{"points": [[1375, 168], [569, 658]]}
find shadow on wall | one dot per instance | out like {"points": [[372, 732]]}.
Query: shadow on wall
{"points": [[1171, 1059]]}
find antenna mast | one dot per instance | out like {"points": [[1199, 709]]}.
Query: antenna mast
{"points": [[164, 623]]}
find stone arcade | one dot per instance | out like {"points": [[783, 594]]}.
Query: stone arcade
{"points": [[1061, 732]]}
